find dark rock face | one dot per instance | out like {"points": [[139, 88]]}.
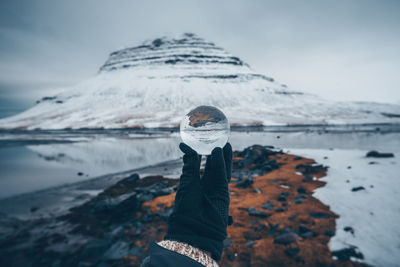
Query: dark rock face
{"points": [[254, 212], [349, 229], [320, 215], [244, 183], [308, 170], [268, 206], [302, 190], [250, 244], [186, 50], [376, 154], [286, 239], [299, 199], [292, 252], [330, 232], [255, 160], [358, 188], [346, 253]]}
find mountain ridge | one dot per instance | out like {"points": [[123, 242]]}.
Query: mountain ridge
{"points": [[156, 83]]}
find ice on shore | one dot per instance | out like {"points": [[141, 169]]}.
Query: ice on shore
{"points": [[373, 212]]}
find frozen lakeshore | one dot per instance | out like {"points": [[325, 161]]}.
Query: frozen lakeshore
{"points": [[365, 193], [97, 154]]}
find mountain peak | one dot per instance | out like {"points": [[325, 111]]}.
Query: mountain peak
{"points": [[156, 83], [186, 49]]}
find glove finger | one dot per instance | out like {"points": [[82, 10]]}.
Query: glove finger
{"points": [[219, 180], [228, 160], [191, 161], [207, 176], [189, 184], [186, 149], [218, 163]]}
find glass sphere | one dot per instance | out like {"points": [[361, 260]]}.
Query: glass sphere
{"points": [[205, 128]]}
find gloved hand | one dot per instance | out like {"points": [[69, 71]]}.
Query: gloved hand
{"points": [[200, 214]]}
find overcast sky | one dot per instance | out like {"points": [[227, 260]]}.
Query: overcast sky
{"points": [[342, 50]]}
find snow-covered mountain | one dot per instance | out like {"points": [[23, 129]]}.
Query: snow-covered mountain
{"points": [[157, 83]]}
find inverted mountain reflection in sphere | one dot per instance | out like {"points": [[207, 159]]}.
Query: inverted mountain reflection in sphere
{"points": [[205, 128]]}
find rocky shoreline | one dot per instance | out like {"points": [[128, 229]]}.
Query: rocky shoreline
{"points": [[277, 221]]}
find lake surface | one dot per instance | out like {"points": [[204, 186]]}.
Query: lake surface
{"points": [[36, 160]]}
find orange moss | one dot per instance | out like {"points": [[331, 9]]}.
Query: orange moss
{"points": [[312, 251]]}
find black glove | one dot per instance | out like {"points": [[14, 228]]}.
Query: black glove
{"points": [[200, 214]]}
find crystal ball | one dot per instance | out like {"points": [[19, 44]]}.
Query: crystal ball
{"points": [[205, 128]]}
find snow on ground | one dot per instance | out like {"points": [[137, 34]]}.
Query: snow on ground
{"points": [[373, 213]]}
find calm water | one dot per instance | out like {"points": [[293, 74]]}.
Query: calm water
{"points": [[37, 160]]}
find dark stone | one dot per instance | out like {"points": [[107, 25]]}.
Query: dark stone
{"points": [[325, 157], [80, 173], [268, 206], [288, 230], [227, 242], [135, 251], [144, 197], [117, 251], [299, 200], [286, 239], [307, 234], [133, 178], [301, 190], [349, 229], [94, 248], [157, 42], [330, 232], [254, 212], [320, 215], [231, 256], [390, 115], [372, 163], [164, 214], [348, 167], [57, 238], [257, 155], [346, 253], [300, 260], [276, 180], [307, 169], [33, 209], [297, 158], [245, 183], [303, 229], [358, 188], [376, 154], [291, 218], [292, 252], [250, 244], [251, 235], [308, 178], [282, 197], [281, 210], [162, 191]]}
